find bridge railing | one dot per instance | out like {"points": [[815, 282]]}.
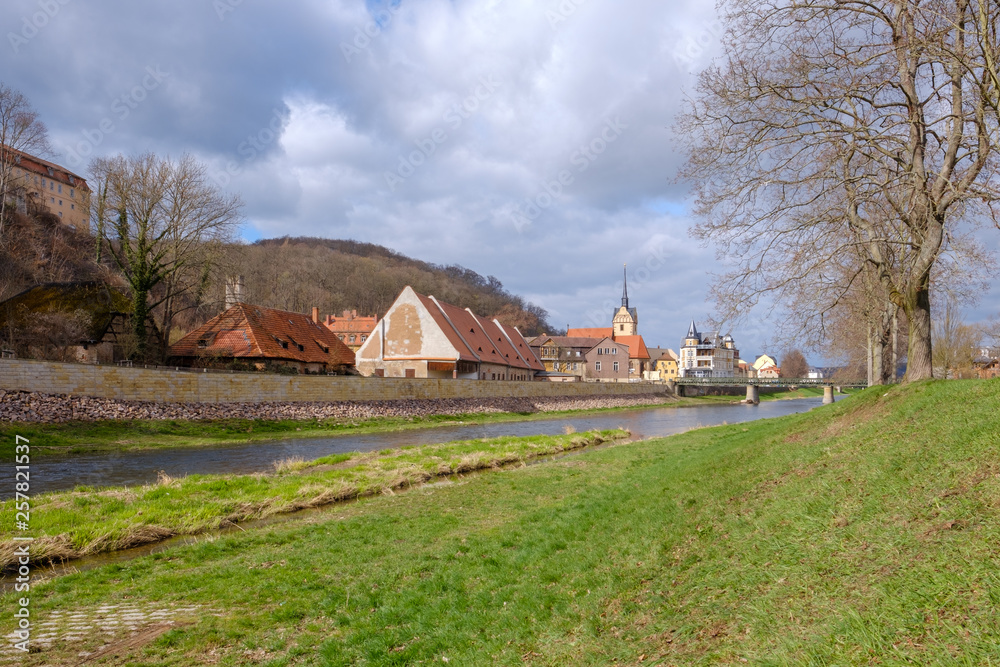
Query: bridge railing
{"points": [[769, 382]]}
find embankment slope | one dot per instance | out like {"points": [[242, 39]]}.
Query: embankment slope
{"points": [[861, 533]]}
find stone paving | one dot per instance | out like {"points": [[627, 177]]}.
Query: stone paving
{"points": [[110, 622]]}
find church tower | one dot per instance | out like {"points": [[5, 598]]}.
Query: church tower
{"points": [[625, 321]]}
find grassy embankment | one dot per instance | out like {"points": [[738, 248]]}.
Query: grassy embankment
{"points": [[89, 521], [109, 435], [864, 532]]}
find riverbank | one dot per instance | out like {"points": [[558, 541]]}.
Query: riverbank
{"points": [[87, 521], [124, 425], [857, 533]]}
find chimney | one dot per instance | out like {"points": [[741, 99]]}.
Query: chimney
{"points": [[234, 290], [315, 315], [354, 314]]}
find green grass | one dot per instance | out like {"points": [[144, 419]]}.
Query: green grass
{"points": [[88, 521], [864, 532], [112, 435]]}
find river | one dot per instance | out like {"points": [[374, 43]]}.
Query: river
{"points": [[55, 473]]}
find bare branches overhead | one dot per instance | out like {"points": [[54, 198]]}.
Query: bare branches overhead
{"points": [[840, 139]]}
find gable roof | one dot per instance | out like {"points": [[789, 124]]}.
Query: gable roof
{"points": [[501, 342], [255, 332], [522, 347], [636, 346], [451, 332]]}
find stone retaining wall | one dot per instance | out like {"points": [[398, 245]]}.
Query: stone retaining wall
{"points": [[24, 406], [163, 385]]}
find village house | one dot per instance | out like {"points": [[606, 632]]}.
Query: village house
{"points": [[708, 355], [259, 338], [421, 337], [665, 364], [352, 330], [588, 359], [766, 366], [39, 185]]}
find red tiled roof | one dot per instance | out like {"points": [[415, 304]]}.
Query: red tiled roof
{"points": [[467, 325], [593, 332], [501, 342], [256, 332], [364, 325], [636, 346], [522, 347], [39, 166]]}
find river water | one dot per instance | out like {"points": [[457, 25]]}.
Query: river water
{"points": [[55, 473]]}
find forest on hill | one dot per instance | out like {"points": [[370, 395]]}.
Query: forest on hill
{"points": [[300, 273], [294, 274]]}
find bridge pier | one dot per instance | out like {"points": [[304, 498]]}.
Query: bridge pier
{"points": [[827, 395], [753, 394]]}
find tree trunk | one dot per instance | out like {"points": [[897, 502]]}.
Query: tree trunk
{"points": [[878, 358], [917, 306], [140, 313]]}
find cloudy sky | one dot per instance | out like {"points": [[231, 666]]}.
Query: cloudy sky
{"points": [[529, 140]]}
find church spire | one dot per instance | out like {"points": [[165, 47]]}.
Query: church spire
{"points": [[625, 286]]}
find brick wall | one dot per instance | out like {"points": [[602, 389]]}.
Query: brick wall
{"points": [[161, 385]]}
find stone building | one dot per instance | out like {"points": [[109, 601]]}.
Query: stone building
{"points": [[38, 185], [708, 355], [421, 337], [351, 329]]}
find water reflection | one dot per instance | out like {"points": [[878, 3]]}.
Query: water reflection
{"points": [[132, 468]]}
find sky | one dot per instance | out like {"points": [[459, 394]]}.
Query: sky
{"points": [[531, 141]]}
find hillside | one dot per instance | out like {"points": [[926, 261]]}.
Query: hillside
{"points": [[294, 274], [334, 275], [860, 533]]}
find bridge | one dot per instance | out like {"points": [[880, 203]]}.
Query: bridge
{"points": [[753, 385]]}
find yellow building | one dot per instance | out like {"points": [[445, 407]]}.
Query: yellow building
{"points": [[666, 366], [39, 186]]}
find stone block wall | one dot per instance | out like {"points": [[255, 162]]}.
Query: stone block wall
{"points": [[165, 385]]}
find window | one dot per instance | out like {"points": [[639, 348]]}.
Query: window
{"points": [[597, 366], [60, 188], [72, 194], [364, 337], [616, 366], [410, 372], [352, 338]]}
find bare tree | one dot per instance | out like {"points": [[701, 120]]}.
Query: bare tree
{"points": [[957, 343], [794, 364], [20, 131], [844, 128], [160, 221]]}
